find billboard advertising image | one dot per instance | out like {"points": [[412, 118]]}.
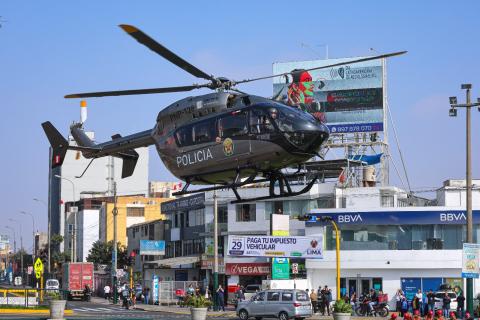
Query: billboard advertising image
{"points": [[347, 98], [152, 247], [282, 247]]}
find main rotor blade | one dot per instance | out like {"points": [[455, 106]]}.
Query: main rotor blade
{"points": [[133, 92], [153, 45], [328, 66]]}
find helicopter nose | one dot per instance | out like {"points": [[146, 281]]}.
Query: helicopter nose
{"points": [[322, 134]]}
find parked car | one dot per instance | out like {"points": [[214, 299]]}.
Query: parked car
{"points": [[283, 304], [52, 285], [439, 299]]}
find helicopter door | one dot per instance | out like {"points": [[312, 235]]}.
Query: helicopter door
{"points": [[233, 135]]}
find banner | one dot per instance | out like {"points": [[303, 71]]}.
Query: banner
{"points": [[282, 247], [281, 268], [248, 269], [152, 247], [470, 260]]}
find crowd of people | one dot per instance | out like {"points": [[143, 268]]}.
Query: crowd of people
{"points": [[423, 304], [321, 299]]}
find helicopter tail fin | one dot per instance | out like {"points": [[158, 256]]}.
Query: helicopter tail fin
{"points": [[57, 141]]}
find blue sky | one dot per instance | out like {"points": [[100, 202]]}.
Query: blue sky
{"points": [[51, 48]]}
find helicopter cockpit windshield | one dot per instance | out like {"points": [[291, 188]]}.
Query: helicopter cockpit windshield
{"points": [[299, 127]]}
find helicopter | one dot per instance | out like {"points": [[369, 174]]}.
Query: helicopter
{"points": [[225, 139]]}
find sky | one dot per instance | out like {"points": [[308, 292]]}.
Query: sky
{"points": [[52, 48]]}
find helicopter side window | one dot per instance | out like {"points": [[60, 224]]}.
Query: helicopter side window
{"points": [[184, 136], [204, 131], [233, 125], [260, 122]]}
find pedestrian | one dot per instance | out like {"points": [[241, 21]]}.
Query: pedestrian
{"points": [[404, 307], [468, 316], [460, 305], [415, 304], [398, 300], [190, 290], [329, 299], [353, 300], [314, 300], [419, 295], [220, 298], [147, 295], [446, 305], [106, 291], [431, 300]]}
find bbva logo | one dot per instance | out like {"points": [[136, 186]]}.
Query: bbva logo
{"points": [[346, 218], [452, 216]]}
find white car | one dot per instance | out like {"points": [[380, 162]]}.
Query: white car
{"points": [[52, 285], [439, 299]]}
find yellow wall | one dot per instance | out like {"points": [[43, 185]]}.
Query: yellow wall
{"points": [[152, 212]]}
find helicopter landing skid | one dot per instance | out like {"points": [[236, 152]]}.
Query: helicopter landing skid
{"points": [[285, 190]]}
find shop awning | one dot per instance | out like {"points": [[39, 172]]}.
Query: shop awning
{"points": [[172, 262]]}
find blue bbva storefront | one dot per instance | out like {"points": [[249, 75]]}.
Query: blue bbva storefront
{"points": [[388, 249]]}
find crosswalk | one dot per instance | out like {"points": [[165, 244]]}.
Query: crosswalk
{"points": [[104, 309]]}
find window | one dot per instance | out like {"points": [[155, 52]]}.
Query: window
{"points": [[273, 296], [70, 228], [260, 123], [151, 232], [204, 131], [387, 200], [184, 136], [246, 212], [302, 296], [135, 211], [287, 296], [195, 218], [233, 125], [260, 296], [222, 214]]}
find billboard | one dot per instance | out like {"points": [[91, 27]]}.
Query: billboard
{"points": [[347, 98], [470, 256], [282, 247], [152, 247]]}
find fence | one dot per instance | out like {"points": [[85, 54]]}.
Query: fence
{"points": [[171, 292]]}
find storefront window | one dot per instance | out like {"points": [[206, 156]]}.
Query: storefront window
{"points": [[246, 212], [399, 237]]}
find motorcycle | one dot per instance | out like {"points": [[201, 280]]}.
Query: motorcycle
{"points": [[363, 309]]}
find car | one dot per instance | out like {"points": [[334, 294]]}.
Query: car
{"points": [[52, 285], [439, 299], [251, 290], [283, 304]]}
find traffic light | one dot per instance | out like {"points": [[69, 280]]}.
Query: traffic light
{"points": [[131, 258]]}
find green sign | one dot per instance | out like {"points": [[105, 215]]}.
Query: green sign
{"points": [[281, 268]]}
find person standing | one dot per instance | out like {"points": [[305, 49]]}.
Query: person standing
{"points": [[419, 295], [446, 305], [398, 300], [220, 298], [106, 291], [431, 300], [329, 300], [460, 305], [314, 300]]}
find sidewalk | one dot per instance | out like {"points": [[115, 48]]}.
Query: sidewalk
{"points": [[229, 311]]}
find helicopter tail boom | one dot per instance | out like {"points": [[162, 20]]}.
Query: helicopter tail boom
{"points": [[121, 147]]}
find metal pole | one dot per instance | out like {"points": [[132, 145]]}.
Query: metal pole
{"points": [[72, 253], [114, 262], [33, 231], [337, 253], [469, 198], [215, 246], [48, 231]]}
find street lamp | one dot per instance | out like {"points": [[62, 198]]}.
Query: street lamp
{"points": [[33, 231], [14, 238], [21, 245], [48, 231], [453, 112], [73, 257]]}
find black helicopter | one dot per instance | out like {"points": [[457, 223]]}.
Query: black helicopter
{"points": [[227, 138]]}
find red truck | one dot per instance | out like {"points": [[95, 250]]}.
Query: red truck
{"points": [[76, 275]]}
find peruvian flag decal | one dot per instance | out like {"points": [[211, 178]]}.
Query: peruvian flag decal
{"points": [[57, 159]]}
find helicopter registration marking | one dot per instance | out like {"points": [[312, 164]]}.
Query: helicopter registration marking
{"points": [[194, 157]]}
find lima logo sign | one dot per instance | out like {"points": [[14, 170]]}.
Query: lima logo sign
{"points": [[348, 218], [448, 217]]}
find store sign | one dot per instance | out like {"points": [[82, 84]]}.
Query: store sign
{"points": [[470, 260], [400, 217], [282, 247], [208, 264], [281, 268], [196, 201], [248, 269], [152, 247]]}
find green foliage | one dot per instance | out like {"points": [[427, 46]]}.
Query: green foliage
{"points": [[101, 253], [196, 302], [340, 306], [53, 295]]}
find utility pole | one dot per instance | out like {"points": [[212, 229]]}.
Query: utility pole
{"points": [[114, 254], [215, 248], [453, 113]]}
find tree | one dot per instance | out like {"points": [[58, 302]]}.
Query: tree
{"points": [[101, 253]]}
